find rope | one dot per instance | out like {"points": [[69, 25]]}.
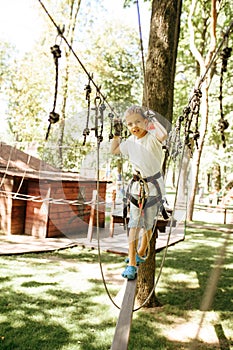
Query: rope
{"points": [[223, 123], [225, 35], [191, 112], [193, 106], [8, 164], [76, 56], [154, 286], [21, 196], [23, 177], [25, 197], [147, 105], [143, 197], [142, 54], [168, 239], [141, 201], [98, 141], [53, 116], [5, 173]]}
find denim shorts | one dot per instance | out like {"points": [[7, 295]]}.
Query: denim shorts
{"points": [[145, 218]]}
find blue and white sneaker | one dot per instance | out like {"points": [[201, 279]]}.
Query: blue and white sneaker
{"points": [[139, 260], [130, 272]]}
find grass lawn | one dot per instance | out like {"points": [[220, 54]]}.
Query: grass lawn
{"points": [[57, 300]]}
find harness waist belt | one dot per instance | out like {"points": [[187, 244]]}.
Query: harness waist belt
{"points": [[149, 178], [153, 179]]}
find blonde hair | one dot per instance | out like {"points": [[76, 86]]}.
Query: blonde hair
{"points": [[135, 110], [146, 114]]}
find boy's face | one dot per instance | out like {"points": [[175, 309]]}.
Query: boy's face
{"points": [[137, 125]]}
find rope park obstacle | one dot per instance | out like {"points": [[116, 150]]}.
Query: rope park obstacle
{"points": [[175, 146]]}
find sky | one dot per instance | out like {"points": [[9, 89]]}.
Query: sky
{"points": [[21, 25]]}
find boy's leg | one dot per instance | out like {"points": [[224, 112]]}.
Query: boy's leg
{"points": [[150, 215], [130, 271], [145, 242], [133, 244]]}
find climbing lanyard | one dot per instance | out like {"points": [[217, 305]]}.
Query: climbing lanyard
{"points": [[86, 131]]}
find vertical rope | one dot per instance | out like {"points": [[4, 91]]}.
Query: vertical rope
{"points": [[53, 116], [98, 141], [223, 123], [142, 54]]}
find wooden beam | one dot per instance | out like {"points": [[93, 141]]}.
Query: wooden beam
{"points": [[122, 331]]}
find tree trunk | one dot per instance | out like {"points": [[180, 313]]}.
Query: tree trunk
{"points": [[158, 96], [217, 177], [162, 52], [146, 278]]}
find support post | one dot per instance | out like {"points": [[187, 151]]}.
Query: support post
{"points": [[225, 216]]}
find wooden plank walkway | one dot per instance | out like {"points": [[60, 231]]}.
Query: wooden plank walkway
{"points": [[123, 326], [122, 331]]}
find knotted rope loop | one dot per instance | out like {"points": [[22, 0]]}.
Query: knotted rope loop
{"points": [[53, 116], [223, 124], [111, 116]]}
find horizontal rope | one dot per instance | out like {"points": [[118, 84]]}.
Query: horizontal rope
{"points": [[25, 197]]}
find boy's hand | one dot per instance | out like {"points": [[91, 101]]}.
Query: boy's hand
{"points": [[118, 127]]}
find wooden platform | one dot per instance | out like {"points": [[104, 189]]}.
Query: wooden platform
{"points": [[119, 242], [24, 244], [21, 244]]}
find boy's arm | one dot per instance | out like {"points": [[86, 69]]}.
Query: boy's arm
{"points": [[115, 145], [160, 131]]}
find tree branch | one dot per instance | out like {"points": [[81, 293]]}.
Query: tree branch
{"points": [[213, 39], [197, 55]]}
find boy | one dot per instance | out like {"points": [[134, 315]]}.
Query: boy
{"points": [[144, 150]]}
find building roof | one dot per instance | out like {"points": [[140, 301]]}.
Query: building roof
{"points": [[14, 162]]}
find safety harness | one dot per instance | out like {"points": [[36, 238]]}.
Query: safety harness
{"points": [[141, 201]]}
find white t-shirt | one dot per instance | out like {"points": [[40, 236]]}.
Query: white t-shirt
{"points": [[145, 155]]}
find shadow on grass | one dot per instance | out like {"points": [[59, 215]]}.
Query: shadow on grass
{"points": [[31, 284], [40, 315], [33, 335], [5, 279], [199, 260], [27, 323], [146, 335], [78, 254], [216, 226], [51, 321]]}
